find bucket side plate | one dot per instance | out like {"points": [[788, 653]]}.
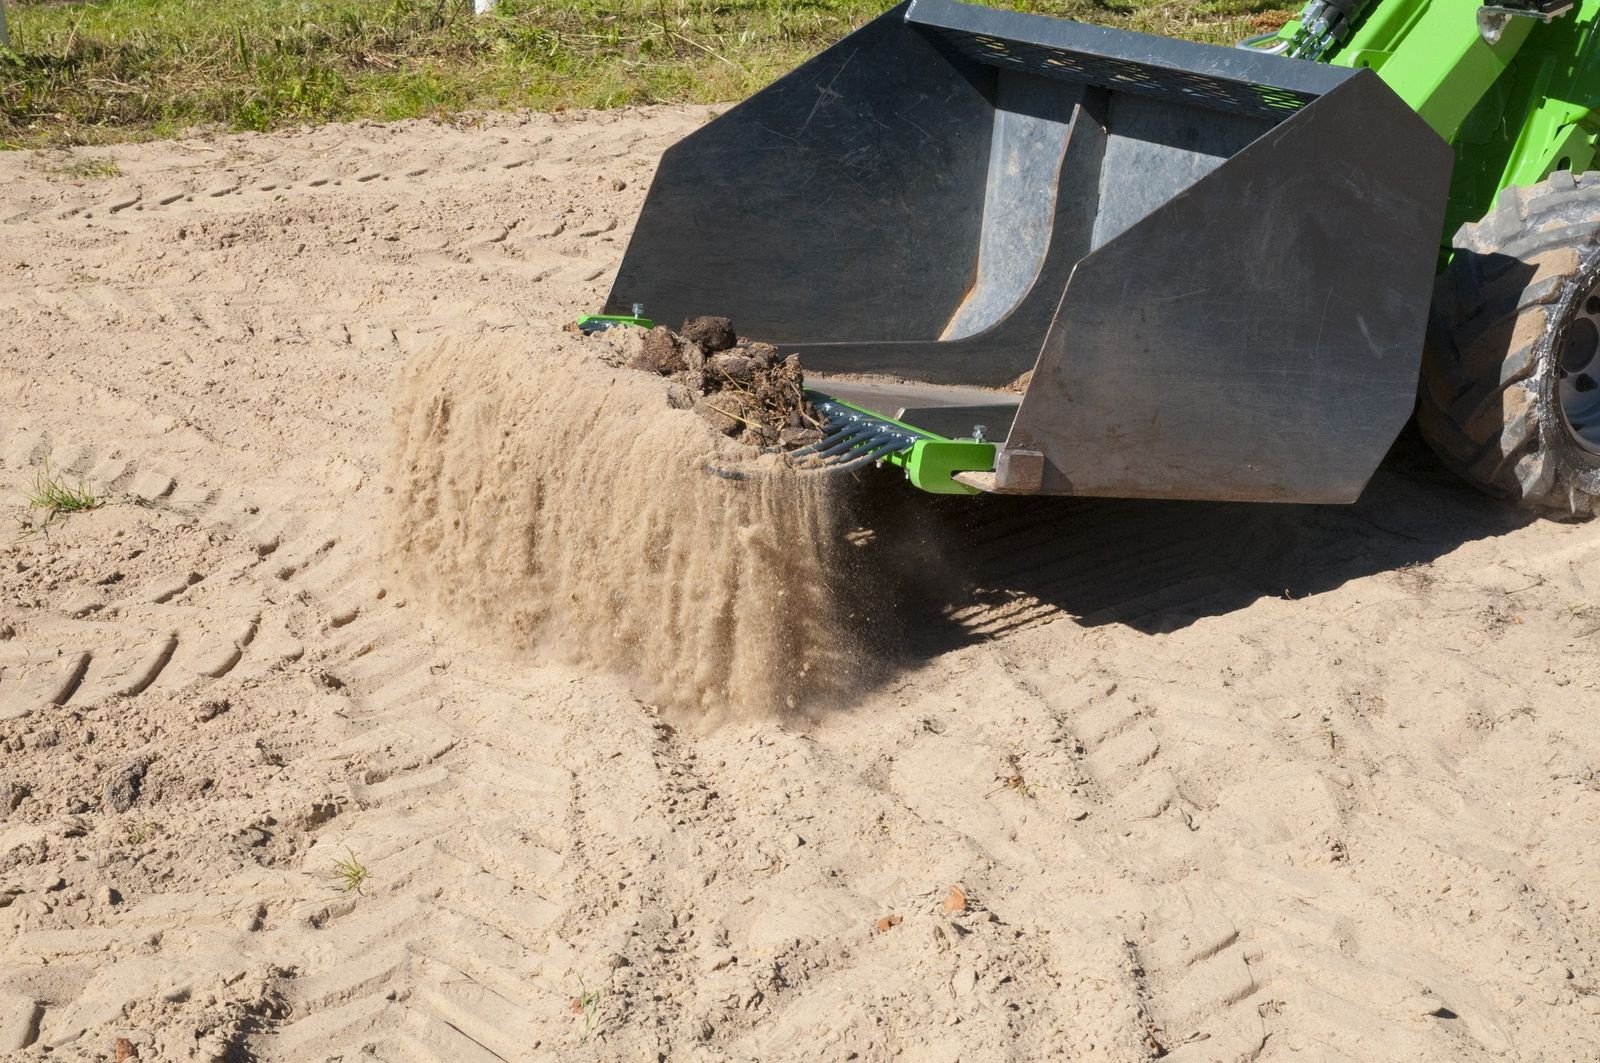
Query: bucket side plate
{"points": [[1258, 337]]}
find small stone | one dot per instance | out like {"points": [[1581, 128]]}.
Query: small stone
{"points": [[713, 334], [955, 901], [888, 922], [616, 961], [721, 959], [108, 895], [123, 788], [965, 981], [618, 184], [211, 709]]}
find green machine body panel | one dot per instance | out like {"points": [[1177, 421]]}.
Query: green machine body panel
{"points": [[1512, 88]]}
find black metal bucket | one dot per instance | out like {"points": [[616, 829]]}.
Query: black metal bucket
{"points": [[1215, 264]]}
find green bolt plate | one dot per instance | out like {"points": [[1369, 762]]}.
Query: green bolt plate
{"points": [[601, 322], [933, 462]]}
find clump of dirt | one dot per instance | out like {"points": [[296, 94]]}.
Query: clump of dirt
{"points": [[745, 388]]}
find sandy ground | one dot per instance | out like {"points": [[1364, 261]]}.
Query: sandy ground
{"points": [[1212, 782]]}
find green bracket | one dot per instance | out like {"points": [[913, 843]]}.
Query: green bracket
{"points": [[601, 322], [933, 463]]}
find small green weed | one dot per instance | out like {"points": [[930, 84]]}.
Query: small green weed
{"points": [[139, 833], [587, 1004], [87, 168], [57, 497], [350, 874]]}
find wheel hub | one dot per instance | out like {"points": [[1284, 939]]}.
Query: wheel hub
{"points": [[1578, 372]]}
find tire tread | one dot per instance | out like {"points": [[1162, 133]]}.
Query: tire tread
{"points": [[1478, 404]]}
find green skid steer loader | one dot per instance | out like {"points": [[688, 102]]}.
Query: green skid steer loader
{"points": [[1024, 255]]}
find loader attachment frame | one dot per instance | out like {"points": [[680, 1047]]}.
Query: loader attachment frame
{"points": [[1149, 267]]}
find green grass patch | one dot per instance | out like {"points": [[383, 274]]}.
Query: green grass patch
{"points": [[350, 875], [57, 497], [97, 72]]}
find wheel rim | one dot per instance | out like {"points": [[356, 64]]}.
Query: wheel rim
{"points": [[1578, 372]]}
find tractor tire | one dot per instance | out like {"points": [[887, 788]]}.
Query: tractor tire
{"points": [[1510, 390]]}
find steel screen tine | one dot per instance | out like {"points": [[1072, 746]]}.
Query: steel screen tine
{"points": [[853, 438], [826, 441], [867, 439], [865, 459]]}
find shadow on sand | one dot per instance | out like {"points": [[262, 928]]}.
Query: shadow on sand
{"points": [[949, 571]]}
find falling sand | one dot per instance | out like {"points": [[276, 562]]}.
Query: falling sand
{"points": [[552, 501]]}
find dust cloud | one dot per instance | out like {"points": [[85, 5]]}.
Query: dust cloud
{"points": [[558, 504]]}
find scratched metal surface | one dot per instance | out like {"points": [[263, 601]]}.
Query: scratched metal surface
{"points": [[844, 202], [1245, 244], [1258, 337]]}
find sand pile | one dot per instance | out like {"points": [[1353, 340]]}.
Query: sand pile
{"points": [[554, 500]]}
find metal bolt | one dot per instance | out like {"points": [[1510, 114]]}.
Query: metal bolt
{"points": [[638, 310], [977, 432]]}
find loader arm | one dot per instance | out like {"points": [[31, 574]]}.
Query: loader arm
{"points": [[1512, 86]]}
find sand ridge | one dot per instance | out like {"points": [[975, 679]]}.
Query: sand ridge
{"points": [[1217, 782]]}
